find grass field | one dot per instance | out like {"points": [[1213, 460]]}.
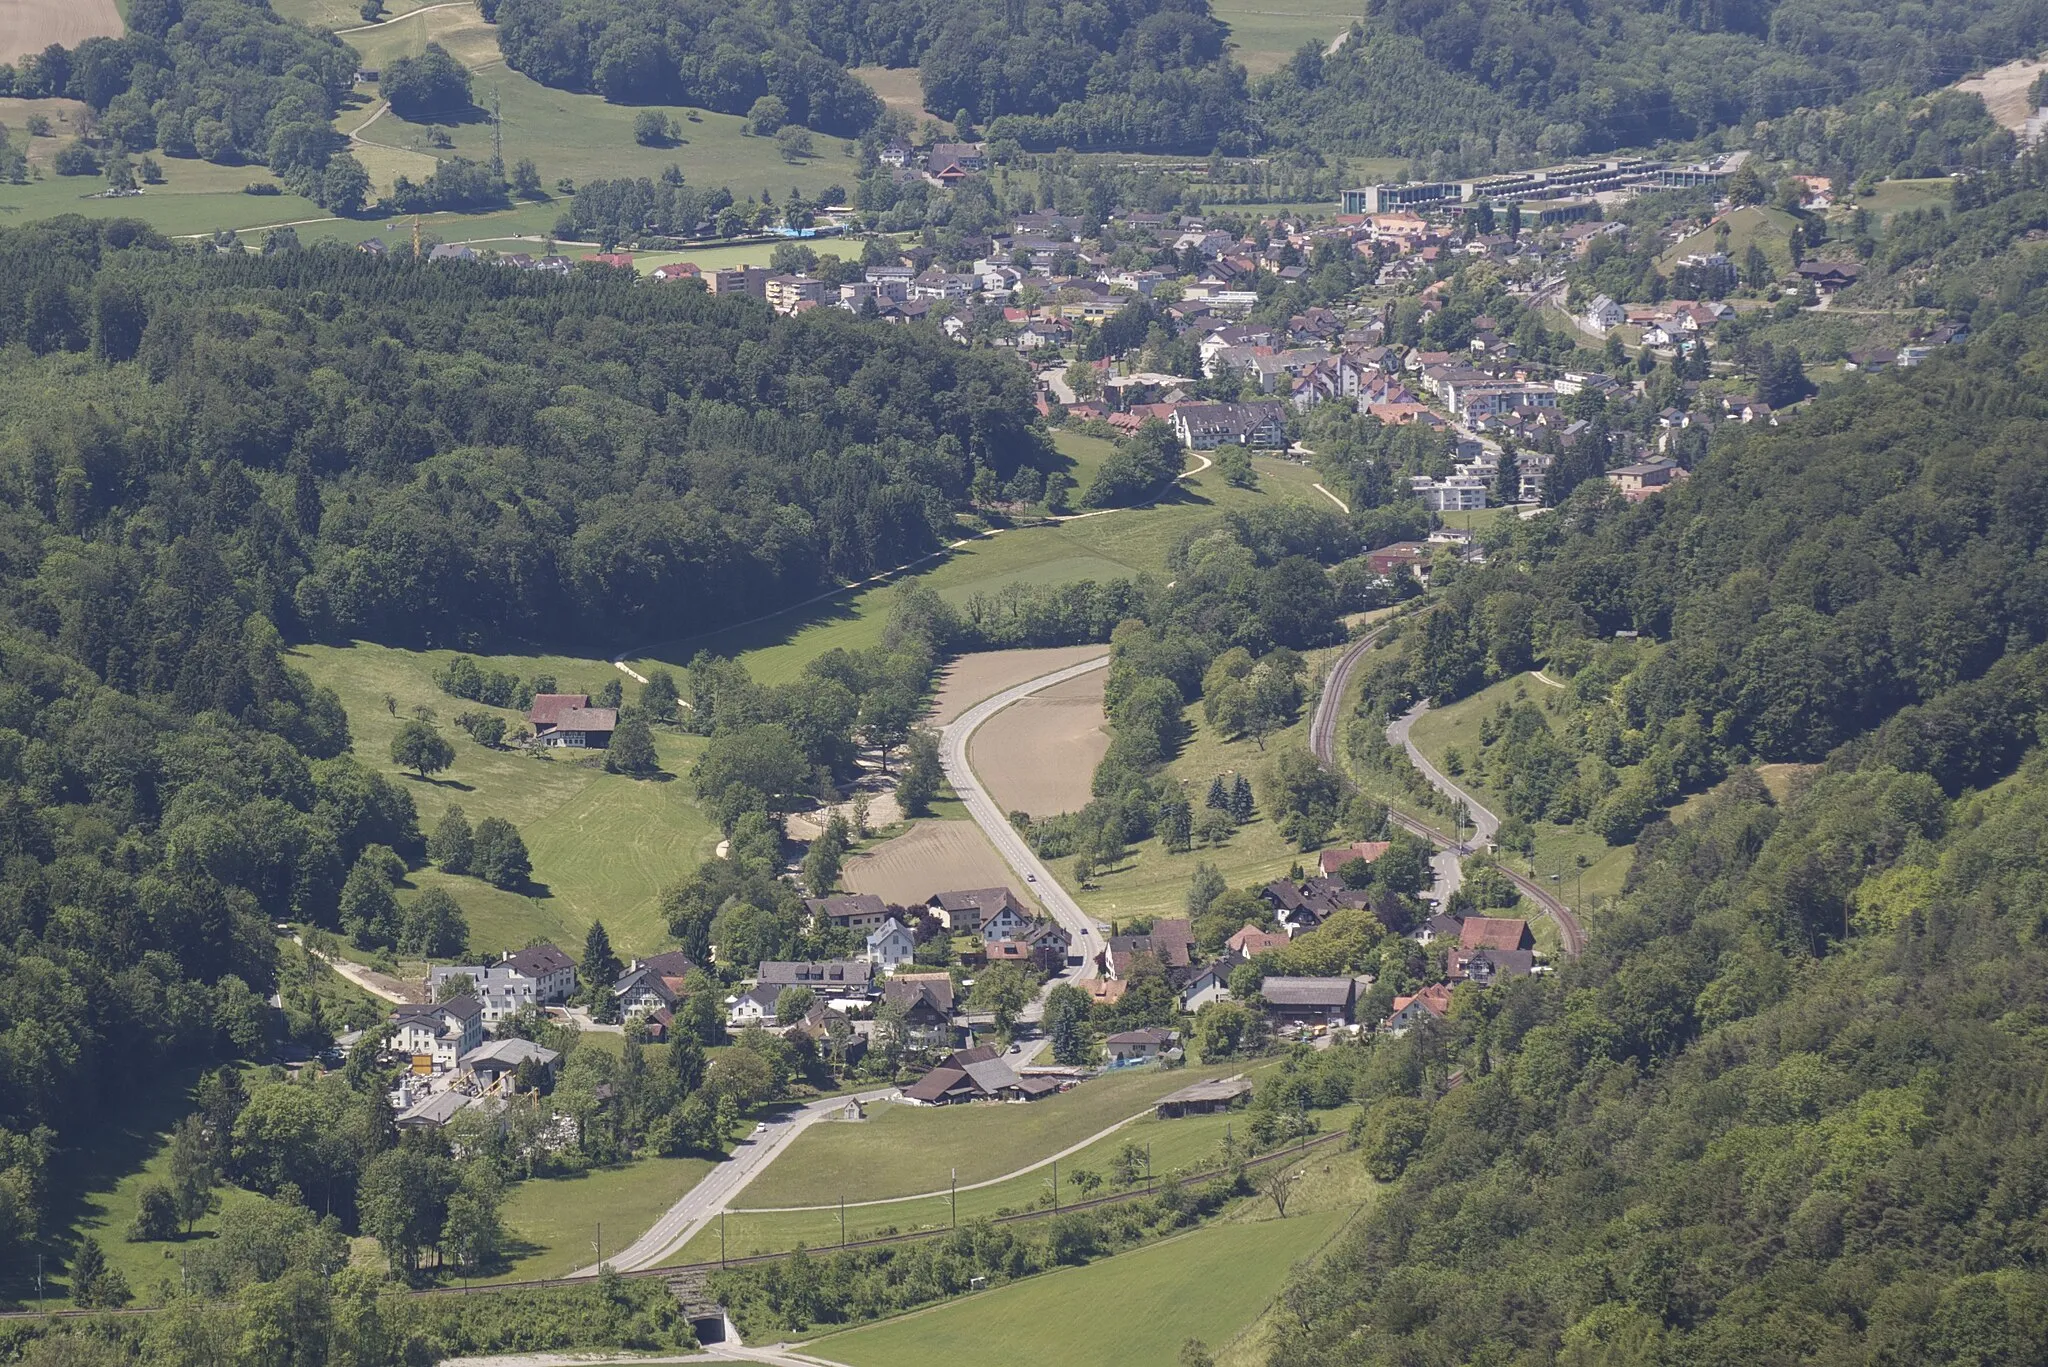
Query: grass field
{"points": [[1558, 848], [552, 1223], [603, 845], [1770, 229], [1208, 1285], [1116, 545], [1893, 196], [907, 1150], [1267, 32]]}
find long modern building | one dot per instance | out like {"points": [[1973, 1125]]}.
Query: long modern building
{"points": [[1574, 179]]}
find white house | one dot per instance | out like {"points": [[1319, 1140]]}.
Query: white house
{"points": [[890, 945], [753, 1007], [1603, 314], [537, 976], [437, 1034]]}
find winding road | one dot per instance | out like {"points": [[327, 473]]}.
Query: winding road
{"points": [[1450, 876], [987, 814]]}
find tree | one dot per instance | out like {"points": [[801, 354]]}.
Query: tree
{"points": [[768, 114], [156, 1214], [600, 967], [1204, 887], [1241, 806], [369, 911], [1066, 1025], [658, 697], [193, 1170], [686, 1057], [1278, 1185], [922, 771], [430, 83], [652, 128], [94, 1285], [793, 1003], [1002, 990], [453, 844], [344, 185], [793, 143], [632, 749], [499, 855], [403, 1200], [432, 926], [488, 731], [1222, 1028], [526, 179], [1390, 1133], [419, 747]]}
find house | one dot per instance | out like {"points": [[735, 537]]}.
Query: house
{"points": [[1105, 991], [1171, 941], [1388, 561], [755, 1006], [373, 246], [831, 978], [1005, 921], [1603, 315], [855, 911], [1483, 966], [651, 985], [1332, 860], [435, 1111], [1638, 482], [679, 270], [1140, 1046], [448, 251], [1251, 941], [1830, 276], [895, 152], [437, 1034], [1209, 984], [1437, 927], [1495, 932], [1431, 1003], [1206, 426], [751, 280], [622, 261], [977, 1074], [1042, 944], [568, 720], [505, 1057], [927, 1002], [1309, 1001], [540, 975], [965, 912], [953, 160], [890, 945]]}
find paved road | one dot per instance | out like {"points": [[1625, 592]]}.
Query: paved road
{"points": [[1485, 825], [702, 1203], [987, 814]]}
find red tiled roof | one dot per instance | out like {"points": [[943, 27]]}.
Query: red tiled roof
{"points": [[1493, 932]]}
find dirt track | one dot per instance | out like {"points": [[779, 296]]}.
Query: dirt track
{"points": [[1039, 755], [933, 856], [31, 25]]}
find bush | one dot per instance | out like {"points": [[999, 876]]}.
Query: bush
{"points": [[75, 159]]}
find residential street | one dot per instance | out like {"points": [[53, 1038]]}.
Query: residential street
{"points": [[1037, 879]]}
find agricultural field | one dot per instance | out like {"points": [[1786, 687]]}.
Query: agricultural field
{"points": [[1209, 1284], [1267, 32], [1038, 755], [28, 26], [902, 1150], [1558, 848], [603, 845], [901, 89], [932, 856], [1191, 1144], [970, 678], [552, 1223], [1894, 196]]}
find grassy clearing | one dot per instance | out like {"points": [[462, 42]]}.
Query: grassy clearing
{"points": [[603, 845], [196, 197], [551, 1223], [1208, 1284], [1770, 229], [901, 88], [1267, 32], [1558, 848], [1126, 542], [902, 1150], [1895, 196], [344, 14]]}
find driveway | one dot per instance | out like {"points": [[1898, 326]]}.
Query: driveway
{"points": [[988, 814]]}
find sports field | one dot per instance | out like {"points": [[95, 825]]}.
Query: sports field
{"points": [[1133, 1310], [603, 845]]}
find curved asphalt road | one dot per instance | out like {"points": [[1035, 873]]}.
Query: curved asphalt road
{"points": [[1322, 737], [1038, 880]]}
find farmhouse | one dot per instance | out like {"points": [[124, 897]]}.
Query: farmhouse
{"points": [[968, 911], [1204, 1098], [1332, 860], [568, 720], [1309, 1001], [1495, 932], [855, 911], [977, 1074], [1431, 1003]]}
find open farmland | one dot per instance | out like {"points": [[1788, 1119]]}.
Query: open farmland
{"points": [[2004, 91], [970, 678], [28, 26], [932, 856], [1208, 1284], [1038, 755], [1267, 32]]}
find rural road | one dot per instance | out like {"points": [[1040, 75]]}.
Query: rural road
{"points": [[1485, 826], [995, 824], [702, 1203]]}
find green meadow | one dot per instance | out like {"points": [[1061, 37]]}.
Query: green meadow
{"points": [[603, 845]]}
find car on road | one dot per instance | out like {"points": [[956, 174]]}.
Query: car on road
{"points": [[761, 1128], [1031, 878]]}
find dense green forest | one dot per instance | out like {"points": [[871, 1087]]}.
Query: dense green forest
{"points": [[1786, 1106]]}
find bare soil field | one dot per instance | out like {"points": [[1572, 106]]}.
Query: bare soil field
{"points": [[31, 25], [971, 678], [933, 856], [2004, 89], [882, 811], [1039, 755]]}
